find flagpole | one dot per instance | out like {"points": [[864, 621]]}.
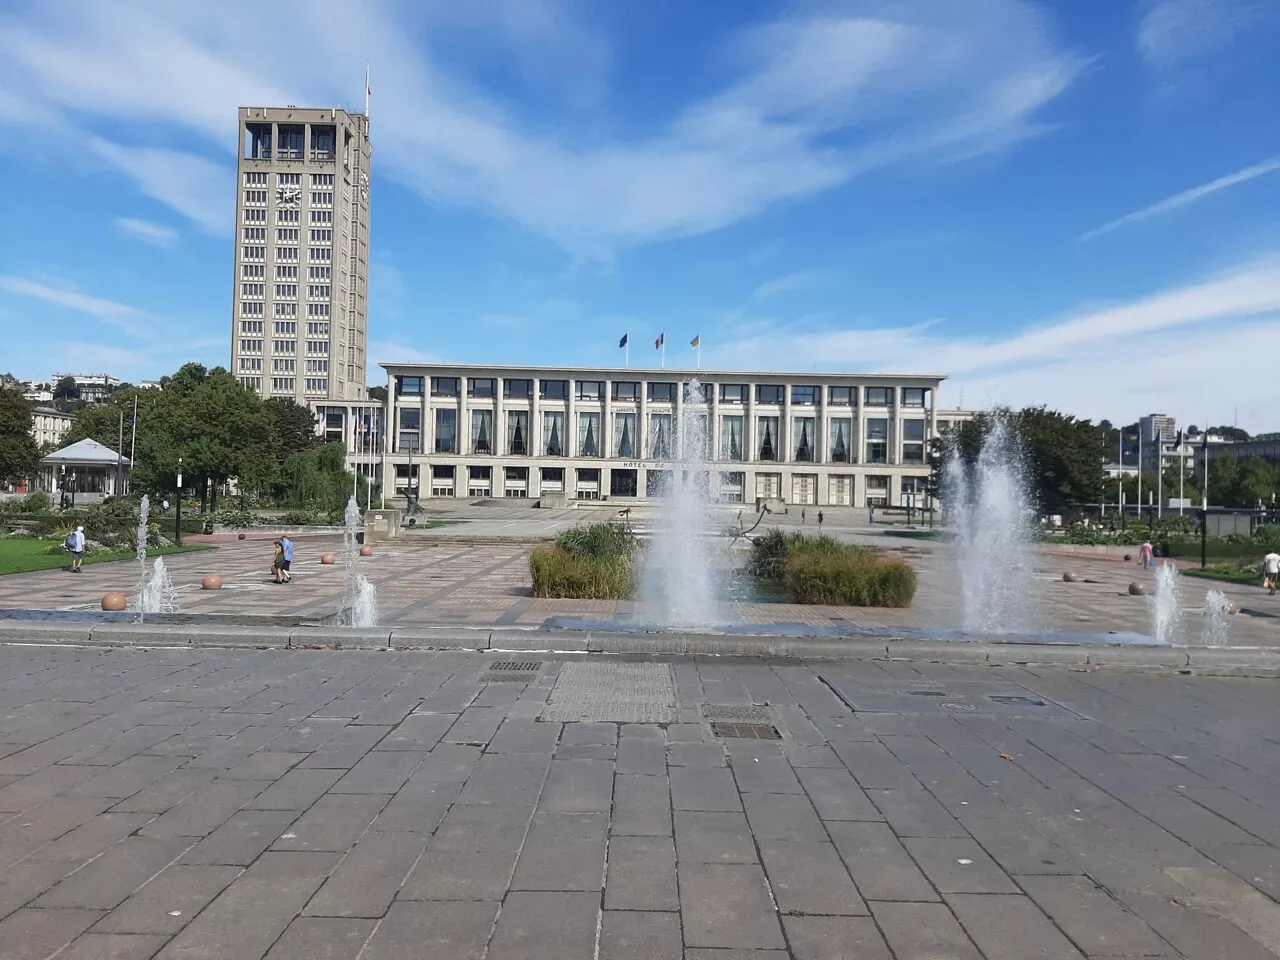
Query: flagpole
{"points": [[1159, 479], [366, 91], [664, 351], [1120, 486], [1182, 476], [699, 353], [626, 351], [1139, 468]]}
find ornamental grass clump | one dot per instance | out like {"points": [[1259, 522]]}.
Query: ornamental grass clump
{"points": [[824, 570], [592, 562]]}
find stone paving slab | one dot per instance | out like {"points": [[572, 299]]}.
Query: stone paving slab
{"points": [[203, 803]]}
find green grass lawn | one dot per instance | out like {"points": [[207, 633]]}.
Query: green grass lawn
{"points": [[1244, 578], [22, 556]]}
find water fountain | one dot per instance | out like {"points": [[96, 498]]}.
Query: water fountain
{"points": [[680, 580], [1166, 611], [156, 593], [991, 513], [1217, 626], [360, 601]]}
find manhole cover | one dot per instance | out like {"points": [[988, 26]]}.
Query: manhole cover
{"points": [[515, 666], [1018, 701], [746, 731], [957, 706], [736, 711]]}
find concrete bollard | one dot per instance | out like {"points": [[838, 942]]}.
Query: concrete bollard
{"points": [[328, 559], [366, 551], [1069, 577], [114, 601], [211, 582], [1137, 590]]}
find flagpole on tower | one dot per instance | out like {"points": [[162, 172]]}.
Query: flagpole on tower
{"points": [[367, 91]]}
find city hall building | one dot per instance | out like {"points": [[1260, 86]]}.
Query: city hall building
{"points": [[463, 431]]}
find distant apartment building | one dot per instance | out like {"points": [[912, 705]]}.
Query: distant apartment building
{"points": [[49, 426], [300, 315], [93, 387]]}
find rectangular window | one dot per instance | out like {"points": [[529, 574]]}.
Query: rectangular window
{"points": [[767, 438], [287, 254], [589, 439], [318, 273], [284, 346], [878, 396], [285, 328], [446, 435], [321, 236], [286, 273], [626, 390], [318, 346], [288, 179], [661, 437], [252, 309], [318, 291], [625, 441], [912, 491], [255, 179], [286, 234], [251, 271], [322, 179], [253, 289], [877, 491], [662, 392], [554, 389], [913, 396], [250, 346], [842, 440], [317, 385], [255, 216], [251, 326], [323, 141], [257, 197], [286, 216], [289, 141], [482, 432], [410, 430], [284, 366], [913, 441], [317, 255], [322, 198], [703, 393], [590, 389], [733, 393], [283, 384], [517, 389], [283, 309], [877, 440], [409, 386], [317, 366], [286, 290], [553, 438], [518, 432], [321, 217], [768, 393], [317, 309], [482, 387], [444, 386], [804, 438], [731, 438], [806, 396]]}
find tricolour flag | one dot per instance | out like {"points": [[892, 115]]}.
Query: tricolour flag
{"points": [[696, 342], [657, 344]]}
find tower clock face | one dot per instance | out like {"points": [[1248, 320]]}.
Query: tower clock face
{"points": [[289, 195]]}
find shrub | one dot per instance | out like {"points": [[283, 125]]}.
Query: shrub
{"points": [[37, 503], [296, 518], [558, 573], [237, 518], [598, 541], [823, 570]]}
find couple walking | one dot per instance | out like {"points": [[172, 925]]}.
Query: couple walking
{"points": [[283, 560]]}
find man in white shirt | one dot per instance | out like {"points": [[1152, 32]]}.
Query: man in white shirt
{"points": [[1271, 571], [76, 542]]}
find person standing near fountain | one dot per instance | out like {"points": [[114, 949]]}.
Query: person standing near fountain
{"points": [[286, 548], [75, 543], [277, 562], [1146, 555], [1271, 572]]}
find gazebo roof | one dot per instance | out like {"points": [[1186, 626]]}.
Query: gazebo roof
{"points": [[86, 452]]}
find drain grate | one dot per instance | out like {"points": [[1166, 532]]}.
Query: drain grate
{"points": [[746, 731], [926, 693], [515, 666], [736, 711], [524, 677], [1018, 701]]}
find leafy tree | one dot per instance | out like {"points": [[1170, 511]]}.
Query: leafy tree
{"points": [[1234, 434], [293, 427], [66, 389], [19, 455], [1255, 483], [378, 393]]}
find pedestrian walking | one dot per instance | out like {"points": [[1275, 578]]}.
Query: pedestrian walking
{"points": [[1146, 555], [286, 547], [75, 543], [802, 515], [1271, 571], [819, 519], [277, 562]]}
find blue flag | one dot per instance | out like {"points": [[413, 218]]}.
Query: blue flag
{"points": [[623, 342]]}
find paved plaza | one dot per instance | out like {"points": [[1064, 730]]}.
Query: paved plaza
{"points": [[295, 805]]}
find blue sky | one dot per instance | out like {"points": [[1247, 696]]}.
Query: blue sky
{"points": [[1069, 202]]}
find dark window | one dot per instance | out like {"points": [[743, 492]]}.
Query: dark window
{"points": [[444, 386], [590, 389], [767, 393], [913, 441], [446, 431], [806, 396], [409, 386], [322, 142], [442, 471], [480, 473], [877, 441], [289, 141], [257, 141], [626, 390], [842, 396], [516, 474], [662, 392], [517, 389], [482, 387], [555, 389], [553, 474], [733, 393], [913, 396], [878, 396]]}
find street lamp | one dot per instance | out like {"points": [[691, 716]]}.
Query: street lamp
{"points": [[73, 489], [177, 514]]}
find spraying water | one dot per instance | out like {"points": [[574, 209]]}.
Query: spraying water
{"points": [[360, 603], [1166, 610], [158, 594], [1217, 626], [144, 511], [991, 512], [679, 578]]}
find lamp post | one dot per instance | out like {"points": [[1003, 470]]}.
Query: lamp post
{"points": [[73, 489], [177, 514]]}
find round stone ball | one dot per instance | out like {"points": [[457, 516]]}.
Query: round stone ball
{"points": [[1137, 590], [366, 551], [1069, 577], [1233, 608], [328, 559], [240, 536], [211, 582], [114, 601], [1128, 557]]}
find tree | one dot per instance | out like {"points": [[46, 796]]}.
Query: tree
{"points": [[66, 389], [293, 427], [1234, 434], [378, 393], [19, 455]]}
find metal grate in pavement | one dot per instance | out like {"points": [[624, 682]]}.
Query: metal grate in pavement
{"points": [[515, 666], [746, 731], [926, 693], [1019, 701], [613, 693], [521, 677], [736, 711]]}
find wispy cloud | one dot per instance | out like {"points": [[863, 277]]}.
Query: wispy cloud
{"points": [[815, 99], [790, 283], [1187, 197], [129, 319], [156, 234], [387, 351], [1175, 32]]}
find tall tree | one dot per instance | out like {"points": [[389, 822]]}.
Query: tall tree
{"points": [[293, 427], [19, 455]]}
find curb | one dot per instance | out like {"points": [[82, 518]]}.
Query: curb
{"points": [[1205, 661]]}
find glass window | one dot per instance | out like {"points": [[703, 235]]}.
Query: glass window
{"points": [[482, 387], [733, 393], [803, 436], [878, 396], [517, 389], [660, 426], [842, 440], [767, 393], [480, 473], [518, 432], [624, 435], [913, 441], [482, 431], [877, 440], [444, 386], [702, 393], [589, 435], [767, 437], [662, 392], [877, 491], [555, 389], [409, 386], [626, 390], [731, 438], [410, 430], [590, 389], [806, 396], [842, 396], [913, 396], [446, 431], [553, 474], [553, 439]]}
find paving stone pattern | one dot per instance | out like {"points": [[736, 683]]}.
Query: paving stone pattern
{"points": [[192, 805]]}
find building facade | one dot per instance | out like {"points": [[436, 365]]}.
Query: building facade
{"points": [[93, 387], [49, 426], [300, 319], [358, 427], [589, 434]]}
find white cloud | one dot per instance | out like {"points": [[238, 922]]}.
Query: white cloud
{"points": [[790, 283], [131, 320], [153, 233], [389, 351], [1187, 196], [1173, 32], [815, 99]]}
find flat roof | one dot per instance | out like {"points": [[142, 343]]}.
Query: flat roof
{"points": [[649, 371]]}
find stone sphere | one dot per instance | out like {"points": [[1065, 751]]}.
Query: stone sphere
{"points": [[114, 601], [1128, 557], [328, 559], [240, 537], [211, 582], [1069, 577], [366, 551], [1137, 590], [1233, 608]]}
